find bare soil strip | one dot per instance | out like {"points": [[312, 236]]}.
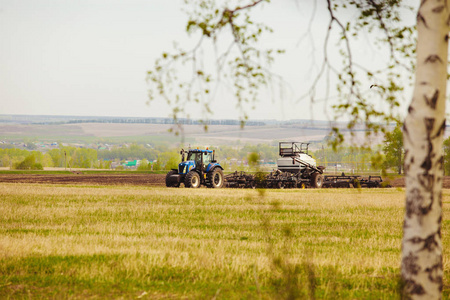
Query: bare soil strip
{"points": [[126, 179], [87, 179]]}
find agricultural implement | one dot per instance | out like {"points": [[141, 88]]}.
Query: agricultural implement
{"points": [[296, 169]]}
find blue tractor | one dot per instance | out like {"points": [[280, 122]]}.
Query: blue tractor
{"points": [[198, 168]]}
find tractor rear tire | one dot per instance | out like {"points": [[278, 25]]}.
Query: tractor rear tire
{"points": [[169, 181], [316, 180], [192, 180], [215, 178]]}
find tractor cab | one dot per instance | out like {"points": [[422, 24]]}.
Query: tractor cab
{"points": [[199, 160]]}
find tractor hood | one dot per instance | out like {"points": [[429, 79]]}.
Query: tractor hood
{"points": [[185, 166]]}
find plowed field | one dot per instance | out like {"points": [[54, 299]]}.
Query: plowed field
{"points": [[123, 179], [87, 179]]}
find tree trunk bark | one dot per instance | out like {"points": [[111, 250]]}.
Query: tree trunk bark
{"points": [[423, 130]]}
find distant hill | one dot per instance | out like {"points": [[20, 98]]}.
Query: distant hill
{"points": [[51, 120], [137, 129]]}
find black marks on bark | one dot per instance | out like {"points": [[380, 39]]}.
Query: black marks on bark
{"points": [[427, 181], [430, 243], [407, 162], [427, 163], [431, 102], [435, 273], [410, 109], [414, 202], [410, 265], [411, 268], [421, 19], [414, 288], [440, 164], [433, 58], [438, 9], [405, 224], [429, 124], [441, 130], [406, 133], [446, 36]]}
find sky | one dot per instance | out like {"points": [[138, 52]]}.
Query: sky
{"points": [[91, 57]]}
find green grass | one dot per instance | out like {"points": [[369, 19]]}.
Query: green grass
{"points": [[158, 243]]}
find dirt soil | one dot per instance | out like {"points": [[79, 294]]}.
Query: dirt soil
{"points": [[400, 182], [126, 179], [88, 179]]}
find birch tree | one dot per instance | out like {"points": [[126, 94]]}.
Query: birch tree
{"points": [[422, 268], [248, 69]]}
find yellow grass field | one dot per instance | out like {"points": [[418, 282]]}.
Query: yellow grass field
{"points": [[131, 242]]}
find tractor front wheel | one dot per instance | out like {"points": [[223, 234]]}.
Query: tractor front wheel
{"points": [[215, 178], [192, 180]]}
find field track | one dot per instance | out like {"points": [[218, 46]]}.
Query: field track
{"points": [[121, 179]]}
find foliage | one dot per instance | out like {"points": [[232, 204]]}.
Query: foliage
{"points": [[241, 64], [447, 156], [393, 149], [12, 157], [134, 151], [253, 160], [167, 160], [145, 165], [102, 164], [357, 158], [29, 163], [72, 157], [245, 64]]}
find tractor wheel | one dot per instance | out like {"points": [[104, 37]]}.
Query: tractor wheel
{"points": [[215, 178], [192, 180], [316, 180], [170, 182]]}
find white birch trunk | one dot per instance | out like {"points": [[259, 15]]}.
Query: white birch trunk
{"points": [[422, 269]]}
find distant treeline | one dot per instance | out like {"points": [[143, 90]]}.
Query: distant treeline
{"points": [[160, 157], [152, 121], [167, 121]]}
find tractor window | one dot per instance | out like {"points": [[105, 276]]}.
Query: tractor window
{"points": [[207, 158], [195, 156]]}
